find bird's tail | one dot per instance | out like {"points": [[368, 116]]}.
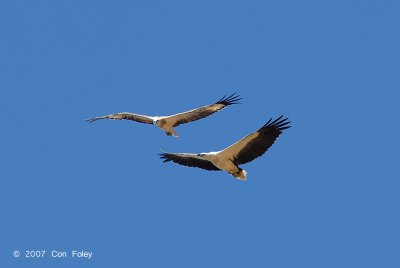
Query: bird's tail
{"points": [[172, 132], [242, 175]]}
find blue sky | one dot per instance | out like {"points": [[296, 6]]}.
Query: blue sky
{"points": [[325, 195]]}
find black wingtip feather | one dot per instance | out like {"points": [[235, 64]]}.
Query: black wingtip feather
{"points": [[91, 120], [278, 124], [232, 99], [165, 157]]}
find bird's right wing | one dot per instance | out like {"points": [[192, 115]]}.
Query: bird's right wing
{"points": [[257, 143], [189, 160], [199, 113], [125, 116]]}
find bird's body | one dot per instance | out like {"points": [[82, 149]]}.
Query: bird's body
{"points": [[167, 123], [222, 161], [247, 149]]}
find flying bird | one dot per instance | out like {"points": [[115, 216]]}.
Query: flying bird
{"points": [[167, 123], [241, 152]]}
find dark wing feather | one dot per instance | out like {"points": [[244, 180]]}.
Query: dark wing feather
{"points": [[124, 116], [257, 143], [189, 160], [204, 111]]}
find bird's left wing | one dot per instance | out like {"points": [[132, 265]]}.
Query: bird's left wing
{"points": [[257, 143], [204, 111], [189, 160]]}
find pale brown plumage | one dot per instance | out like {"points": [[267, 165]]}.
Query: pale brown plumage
{"points": [[167, 123], [247, 149]]}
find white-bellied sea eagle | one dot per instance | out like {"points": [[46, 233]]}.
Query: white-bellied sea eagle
{"points": [[167, 123], [242, 152]]}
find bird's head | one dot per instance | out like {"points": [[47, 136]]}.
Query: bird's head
{"points": [[157, 120]]}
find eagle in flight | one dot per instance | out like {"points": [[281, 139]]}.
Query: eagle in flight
{"points": [[167, 123], [241, 152]]}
